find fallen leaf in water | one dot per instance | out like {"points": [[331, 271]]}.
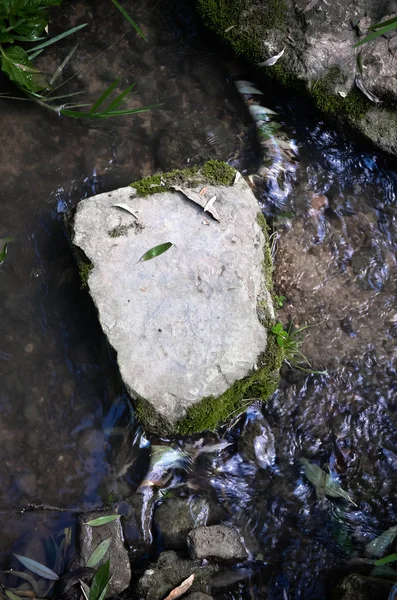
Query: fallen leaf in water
{"points": [[360, 84], [380, 544], [37, 567], [272, 60], [156, 251], [3, 247], [125, 207], [181, 589], [246, 87], [311, 5], [325, 484]]}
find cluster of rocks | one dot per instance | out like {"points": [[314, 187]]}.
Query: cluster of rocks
{"points": [[192, 547]]}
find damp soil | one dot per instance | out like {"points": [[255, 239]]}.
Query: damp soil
{"points": [[68, 436]]}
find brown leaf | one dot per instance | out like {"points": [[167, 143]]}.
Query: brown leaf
{"points": [[181, 589]]}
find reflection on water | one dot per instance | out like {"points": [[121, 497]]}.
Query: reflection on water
{"points": [[66, 431]]}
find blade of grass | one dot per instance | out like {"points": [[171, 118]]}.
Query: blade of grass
{"points": [[130, 21], [63, 65], [32, 56], [103, 97], [388, 22], [104, 115], [55, 39], [119, 98], [376, 34]]}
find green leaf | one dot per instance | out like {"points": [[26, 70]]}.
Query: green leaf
{"points": [[100, 581], [324, 483], [32, 26], [57, 38], [37, 568], [11, 595], [381, 29], [119, 99], [388, 22], [360, 62], [19, 68], [86, 589], [6, 38], [27, 577], [277, 328], [103, 97], [386, 560], [156, 251], [380, 544], [3, 248], [280, 341], [129, 19], [384, 571], [102, 520], [98, 553]]}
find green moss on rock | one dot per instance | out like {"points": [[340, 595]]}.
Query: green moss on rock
{"points": [[85, 267], [214, 172], [354, 105], [261, 383]]}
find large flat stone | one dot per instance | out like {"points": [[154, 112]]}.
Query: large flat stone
{"points": [[185, 324]]}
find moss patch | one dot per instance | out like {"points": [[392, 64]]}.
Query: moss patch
{"points": [[244, 38], [85, 267], [262, 383], [214, 172]]}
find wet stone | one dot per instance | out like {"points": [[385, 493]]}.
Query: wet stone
{"points": [[169, 572], [91, 537], [218, 542], [198, 596], [168, 317], [175, 517], [359, 587]]}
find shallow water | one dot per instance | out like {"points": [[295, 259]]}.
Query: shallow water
{"points": [[66, 426]]}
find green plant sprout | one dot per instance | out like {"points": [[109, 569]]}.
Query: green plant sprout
{"points": [[279, 300], [290, 344]]}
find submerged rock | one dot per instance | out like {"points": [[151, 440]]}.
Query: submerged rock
{"points": [[169, 572], [319, 56], [359, 587], [175, 517], [198, 596], [219, 542], [188, 324], [91, 537]]}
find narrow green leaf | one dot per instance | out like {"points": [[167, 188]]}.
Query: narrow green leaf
{"points": [[360, 62], [57, 38], [11, 595], [380, 31], [388, 22], [386, 560], [63, 65], [98, 553], [380, 544], [103, 97], [129, 19], [37, 567], [119, 99], [102, 520], [104, 591], [32, 56], [3, 248], [100, 581], [156, 251], [325, 484], [85, 589], [27, 577]]}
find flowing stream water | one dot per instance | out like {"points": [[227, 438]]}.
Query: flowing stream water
{"points": [[67, 438]]}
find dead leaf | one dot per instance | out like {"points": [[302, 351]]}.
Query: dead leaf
{"points": [[311, 5], [209, 207], [126, 208], [197, 199], [363, 89], [272, 60], [181, 589], [236, 177], [203, 191]]}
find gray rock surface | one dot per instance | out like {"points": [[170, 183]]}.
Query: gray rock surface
{"points": [[184, 324], [319, 39], [219, 542], [169, 572], [175, 517], [90, 537]]}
